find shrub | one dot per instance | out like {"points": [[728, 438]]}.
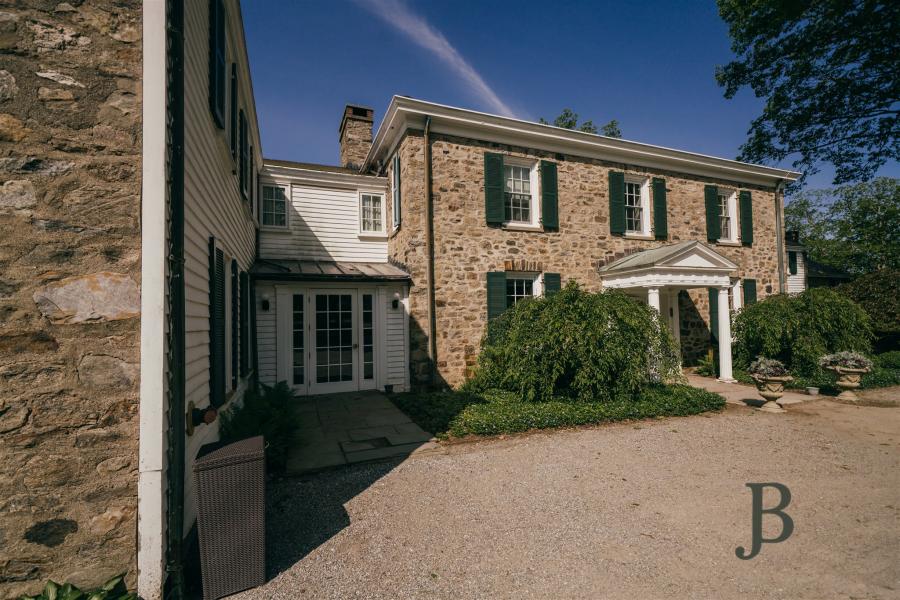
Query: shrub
{"points": [[880, 377], [267, 411], [846, 360], [767, 367], [797, 330], [575, 344], [888, 360], [879, 295], [114, 589]]}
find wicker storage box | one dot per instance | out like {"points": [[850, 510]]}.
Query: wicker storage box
{"points": [[231, 517]]}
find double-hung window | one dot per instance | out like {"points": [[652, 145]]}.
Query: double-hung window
{"points": [[371, 213], [521, 286], [518, 198], [637, 206], [274, 206], [727, 216]]}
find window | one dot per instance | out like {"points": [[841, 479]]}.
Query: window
{"points": [[518, 197], [520, 286], [368, 328], [217, 61], [395, 191], [274, 206], [637, 207], [371, 213], [728, 230]]}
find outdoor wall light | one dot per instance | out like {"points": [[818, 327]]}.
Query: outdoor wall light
{"points": [[395, 303], [265, 302]]}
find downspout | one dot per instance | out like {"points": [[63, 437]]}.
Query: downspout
{"points": [[429, 249], [174, 586], [779, 236]]}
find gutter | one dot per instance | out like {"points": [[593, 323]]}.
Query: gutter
{"points": [[779, 228], [429, 249]]}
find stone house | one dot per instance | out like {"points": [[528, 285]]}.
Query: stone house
{"points": [[153, 264]]}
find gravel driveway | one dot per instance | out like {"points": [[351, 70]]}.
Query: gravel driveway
{"points": [[641, 510]]}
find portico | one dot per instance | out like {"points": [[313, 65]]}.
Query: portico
{"points": [[659, 274]]}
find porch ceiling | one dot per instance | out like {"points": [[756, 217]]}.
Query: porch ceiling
{"points": [[685, 264], [317, 270]]}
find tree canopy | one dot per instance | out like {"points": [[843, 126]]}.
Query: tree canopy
{"points": [[568, 119], [828, 71], [855, 228]]}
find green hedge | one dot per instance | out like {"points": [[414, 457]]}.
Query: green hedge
{"points": [[798, 330], [584, 346], [267, 411], [457, 414]]}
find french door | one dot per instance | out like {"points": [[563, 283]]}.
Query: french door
{"points": [[330, 335]]}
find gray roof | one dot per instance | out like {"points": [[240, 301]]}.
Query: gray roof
{"points": [[311, 166], [648, 258], [320, 270]]}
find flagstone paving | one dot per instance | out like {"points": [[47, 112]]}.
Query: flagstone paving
{"points": [[340, 429]]}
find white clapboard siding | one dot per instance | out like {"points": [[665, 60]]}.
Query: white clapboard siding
{"points": [[213, 206], [323, 224], [265, 333], [797, 283], [396, 347]]}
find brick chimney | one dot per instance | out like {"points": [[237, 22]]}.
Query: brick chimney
{"points": [[355, 135]]}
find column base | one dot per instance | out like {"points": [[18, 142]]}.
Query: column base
{"points": [[729, 380]]}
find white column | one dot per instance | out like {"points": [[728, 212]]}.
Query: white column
{"points": [[737, 293], [725, 373], [653, 298]]}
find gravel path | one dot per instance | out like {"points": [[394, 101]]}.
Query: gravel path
{"points": [[642, 510]]}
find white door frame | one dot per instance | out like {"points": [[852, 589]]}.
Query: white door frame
{"points": [[284, 350]]}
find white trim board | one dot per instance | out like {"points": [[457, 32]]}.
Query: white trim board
{"points": [[404, 113]]}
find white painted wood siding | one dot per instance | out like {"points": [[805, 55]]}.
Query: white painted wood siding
{"points": [[396, 344], [265, 333], [797, 283], [213, 207], [323, 224]]}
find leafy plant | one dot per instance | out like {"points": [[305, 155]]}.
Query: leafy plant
{"points": [[707, 366], [588, 347], [767, 367], [267, 411], [845, 360], [888, 360], [114, 589], [879, 295], [797, 330]]}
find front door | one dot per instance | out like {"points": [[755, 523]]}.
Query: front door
{"points": [[334, 342]]}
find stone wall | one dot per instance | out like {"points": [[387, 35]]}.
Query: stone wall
{"points": [[466, 249], [69, 290], [355, 136]]}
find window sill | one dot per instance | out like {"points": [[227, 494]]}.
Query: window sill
{"points": [[372, 235], [728, 243], [639, 236], [522, 227], [274, 229]]}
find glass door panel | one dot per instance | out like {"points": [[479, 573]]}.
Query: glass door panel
{"points": [[334, 354]]}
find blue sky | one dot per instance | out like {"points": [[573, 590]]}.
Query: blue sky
{"points": [[650, 65]]}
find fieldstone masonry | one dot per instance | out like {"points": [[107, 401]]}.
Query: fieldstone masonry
{"points": [[466, 249], [69, 290]]}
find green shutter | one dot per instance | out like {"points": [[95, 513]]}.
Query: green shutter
{"points": [[749, 291], [235, 324], [217, 61], [549, 195], [616, 203], [746, 210], [216, 324], [493, 188], [232, 120], [496, 294], [245, 324], [714, 314], [713, 225], [660, 215], [552, 283], [792, 262]]}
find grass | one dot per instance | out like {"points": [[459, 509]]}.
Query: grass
{"points": [[458, 414]]}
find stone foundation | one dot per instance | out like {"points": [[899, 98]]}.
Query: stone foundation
{"points": [[69, 291], [466, 249]]}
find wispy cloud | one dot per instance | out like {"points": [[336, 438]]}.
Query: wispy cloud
{"points": [[398, 15]]}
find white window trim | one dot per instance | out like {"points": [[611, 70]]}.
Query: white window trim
{"points": [[535, 223], [537, 288], [732, 214], [644, 182], [370, 234], [396, 215], [287, 203]]}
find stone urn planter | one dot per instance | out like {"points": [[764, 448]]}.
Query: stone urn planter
{"points": [[771, 388], [848, 380], [849, 368]]}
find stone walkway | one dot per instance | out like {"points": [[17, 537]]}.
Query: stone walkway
{"points": [[740, 393], [340, 429]]}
